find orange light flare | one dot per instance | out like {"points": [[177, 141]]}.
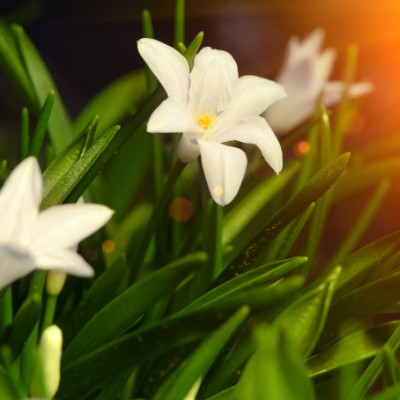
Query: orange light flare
{"points": [[301, 148], [181, 209]]}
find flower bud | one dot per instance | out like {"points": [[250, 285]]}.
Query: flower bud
{"points": [[55, 282], [50, 351]]}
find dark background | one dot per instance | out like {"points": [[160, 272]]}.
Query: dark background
{"points": [[86, 44]]}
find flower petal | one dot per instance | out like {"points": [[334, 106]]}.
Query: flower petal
{"points": [[63, 260], [323, 69], [255, 130], [212, 80], [14, 264], [252, 96], [19, 202], [312, 43], [168, 65], [170, 116], [188, 149], [334, 91], [224, 168], [64, 226]]}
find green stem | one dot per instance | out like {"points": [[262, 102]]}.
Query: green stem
{"points": [[49, 311], [24, 135], [154, 218], [6, 309], [179, 23], [28, 358]]}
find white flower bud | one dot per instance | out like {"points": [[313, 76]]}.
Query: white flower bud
{"points": [[55, 282], [51, 351]]}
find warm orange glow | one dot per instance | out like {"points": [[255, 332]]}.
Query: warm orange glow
{"points": [[301, 148], [108, 246], [181, 209], [354, 122]]}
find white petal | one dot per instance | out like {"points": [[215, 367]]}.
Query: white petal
{"points": [[324, 67], [251, 97], [255, 130], [313, 42], [64, 226], [19, 202], [170, 116], [212, 80], [188, 149], [63, 260], [168, 65], [224, 168], [334, 91], [14, 264]]}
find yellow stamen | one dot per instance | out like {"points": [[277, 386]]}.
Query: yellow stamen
{"points": [[204, 121]]}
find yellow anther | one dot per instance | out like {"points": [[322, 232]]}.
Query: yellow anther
{"points": [[205, 121]]}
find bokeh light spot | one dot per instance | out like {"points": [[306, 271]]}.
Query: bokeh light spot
{"points": [[91, 255], [108, 246], [301, 148], [181, 209], [218, 190]]}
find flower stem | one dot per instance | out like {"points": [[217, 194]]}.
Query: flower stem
{"points": [[154, 218], [49, 311]]}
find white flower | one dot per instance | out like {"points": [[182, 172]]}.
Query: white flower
{"points": [[210, 106], [304, 74], [45, 240]]}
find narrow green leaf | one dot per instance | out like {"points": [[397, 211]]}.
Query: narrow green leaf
{"points": [[151, 341], [390, 368], [270, 273], [124, 310], [113, 103], [355, 349], [250, 206], [201, 361], [314, 189], [7, 388], [41, 126], [67, 158], [3, 166], [102, 292], [7, 359], [72, 185], [373, 371], [294, 233], [24, 135], [304, 319], [387, 394], [24, 322], [359, 227], [59, 123], [6, 309], [358, 179], [359, 305]]}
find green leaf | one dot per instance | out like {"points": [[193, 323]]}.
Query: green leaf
{"points": [[24, 134], [373, 371], [41, 126], [314, 189], [359, 305], [102, 292], [202, 359], [390, 368], [358, 179], [66, 159], [275, 371], [113, 103], [255, 200], [270, 273], [356, 349], [72, 185], [7, 389], [13, 66], [59, 124], [304, 319], [148, 342], [12, 383], [360, 225], [124, 310], [387, 394]]}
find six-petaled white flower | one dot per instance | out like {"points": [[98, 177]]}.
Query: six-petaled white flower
{"points": [[211, 105], [45, 240], [304, 74]]}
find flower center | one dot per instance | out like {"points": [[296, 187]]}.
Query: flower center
{"points": [[204, 121]]}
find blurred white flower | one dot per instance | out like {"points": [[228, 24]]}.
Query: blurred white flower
{"points": [[45, 240], [211, 105], [304, 74]]}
